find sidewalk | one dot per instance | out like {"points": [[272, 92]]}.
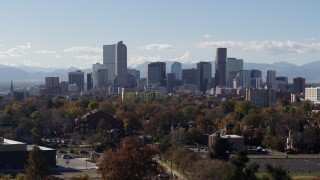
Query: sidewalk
{"points": [[168, 169]]}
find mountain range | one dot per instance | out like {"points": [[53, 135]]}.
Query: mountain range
{"points": [[310, 71]]}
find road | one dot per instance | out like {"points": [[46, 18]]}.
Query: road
{"points": [[174, 172]]}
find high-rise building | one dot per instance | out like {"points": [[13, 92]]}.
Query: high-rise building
{"points": [[220, 74], [204, 76], [271, 79], [121, 64], [233, 66], [52, 82], [256, 79], [189, 76], [109, 59], [171, 77], [77, 77], [89, 81], [135, 73], [261, 97], [99, 75], [176, 68], [157, 74], [243, 79], [299, 84], [115, 58], [282, 83]]}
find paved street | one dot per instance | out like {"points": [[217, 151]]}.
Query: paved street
{"points": [[293, 165]]}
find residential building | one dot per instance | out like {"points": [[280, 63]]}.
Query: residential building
{"points": [[261, 97], [312, 94], [87, 124], [142, 96]]}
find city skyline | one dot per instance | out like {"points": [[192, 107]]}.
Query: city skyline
{"points": [[72, 33]]}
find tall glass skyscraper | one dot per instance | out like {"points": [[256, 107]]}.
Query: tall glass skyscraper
{"points": [[115, 58], [220, 75], [176, 68]]}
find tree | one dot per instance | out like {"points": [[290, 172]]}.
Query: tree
{"points": [[239, 168], [37, 167], [220, 149], [133, 160], [276, 173], [209, 169]]}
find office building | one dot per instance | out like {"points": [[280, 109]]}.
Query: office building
{"points": [[14, 154], [204, 76], [282, 83], [99, 75], [243, 79], [52, 86], [121, 64], [220, 74], [176, 68], [171, 77], [89, 81], [77, 78], [157, 74], [52, 82], [256, 79], [271, 79], [115, 59], [233, 66], [189, 76], [299, 84]]}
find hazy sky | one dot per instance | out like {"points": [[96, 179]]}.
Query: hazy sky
{"points": [[68, 33]]}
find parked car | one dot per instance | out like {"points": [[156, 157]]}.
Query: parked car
{"points": [[66, 156], [84, 152], [62, 152]]}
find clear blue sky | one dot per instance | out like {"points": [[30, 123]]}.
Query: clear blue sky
{"points": [[68, 33]]}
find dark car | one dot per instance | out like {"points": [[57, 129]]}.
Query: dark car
{"points": [[84, 152]]}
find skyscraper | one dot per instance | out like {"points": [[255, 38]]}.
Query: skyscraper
{"points": [[243, 79], [77, 77], [271, 79], [157, 74], [89, 81], [176, 69], [99, 75], [220, 74], [233, 66], [52, 82], [256, 78], [109, 59], [189, 76], [121, 64], [299, 84], [115, 58], [204, 76]]}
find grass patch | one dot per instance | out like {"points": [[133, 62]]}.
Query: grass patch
{"points": [[297, 176]]}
